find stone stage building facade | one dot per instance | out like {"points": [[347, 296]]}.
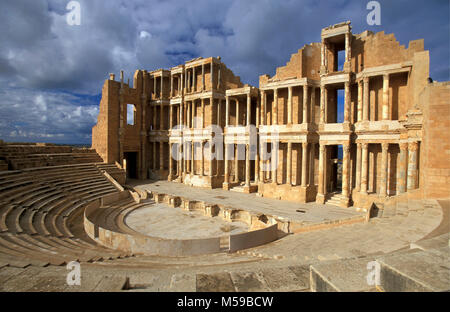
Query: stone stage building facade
{"points": [[356, 116]]}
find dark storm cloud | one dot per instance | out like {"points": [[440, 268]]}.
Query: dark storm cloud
{"points": [[42, 57]]}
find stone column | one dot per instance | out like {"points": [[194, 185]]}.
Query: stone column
{"points": [[412, 165], [249, 112], [202, 158], [348, 47], [305, 104], [321, 188], [364, 160], [384, 163], [161, 122], [385, 111], [360, 101], [227, 111], [162, 84], [203, 112], [171, 85], [304, 162], [264, 108], [170, 117], [237, 112], [193, 158], [345, 169], [401, 171], [323, 101], [289, 112], [154, 85], [313, 104], [256, 165], [247, 165], [226, 169], [203, 77], [212, 74], [347, 102], [161, 155], [258, 113], [289, 164], [170, 163], [236, 165], [311, 163], [358, 168], [275, 107], [188, 115], [194, 80], [366, 99]]}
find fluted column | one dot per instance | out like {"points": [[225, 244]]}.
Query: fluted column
{"points": [[227, 111], [236, 165], [264, 107], [401, 173], [170, 162], [311, 163], [347, 102], [275, 107], [321, 188], [345, 169], [360, 100], [193, 158], [304, 162], [154, 156], [170, 117], [305, 104], [203, 112], [289, 112], [247, 165], [289, 164], [412, 165], [171, 85], [366, 98], [161, 155], [364, 159], [226, 165], [358, 168], [212, 74], [313, 104], [384, 162], [385, 111], [237, 112]]}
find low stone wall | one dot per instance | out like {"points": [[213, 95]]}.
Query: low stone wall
{"points": [[134, 242]]}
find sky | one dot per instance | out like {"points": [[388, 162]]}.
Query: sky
{"points": [[51, 73]]}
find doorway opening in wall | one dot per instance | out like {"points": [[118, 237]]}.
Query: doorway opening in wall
{"points": [[131, 164], [335, 167]]}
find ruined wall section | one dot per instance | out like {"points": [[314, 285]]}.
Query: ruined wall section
{"points": [[435, 155], [304, 63], [105, 135], [228, 79]]}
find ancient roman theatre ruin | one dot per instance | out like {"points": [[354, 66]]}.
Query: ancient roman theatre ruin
{"points": [[197, 181]]}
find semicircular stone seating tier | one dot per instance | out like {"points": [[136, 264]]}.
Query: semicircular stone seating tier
{"points": [[41, 214]]}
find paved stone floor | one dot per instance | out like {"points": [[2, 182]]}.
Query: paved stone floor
{"points": [[160, 220], [311, 212]]}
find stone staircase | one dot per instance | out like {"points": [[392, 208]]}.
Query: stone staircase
{"points": [[335, 199]]}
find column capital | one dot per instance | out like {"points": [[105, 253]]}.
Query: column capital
{"points": [[304, 144], [322, 147], [413, 146], [384, 146], [403, 146], [365, 145], [366, 79], [346, 147]]}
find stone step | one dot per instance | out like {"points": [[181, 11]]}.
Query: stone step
{"points": [[423, 270]]}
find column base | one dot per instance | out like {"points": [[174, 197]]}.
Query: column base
{"points": [[320, 198]]}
